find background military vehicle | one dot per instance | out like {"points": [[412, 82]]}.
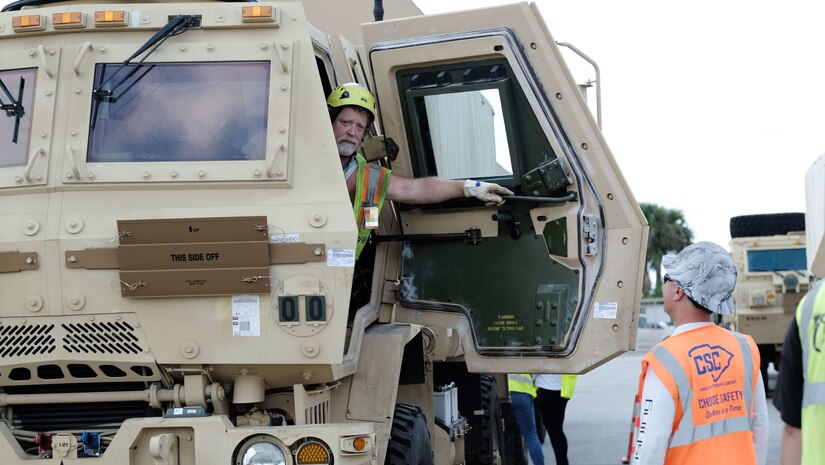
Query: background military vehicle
{"points": [[769, 252], [177, 263]]}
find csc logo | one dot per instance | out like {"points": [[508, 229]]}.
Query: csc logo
{"points": [[710, 359]]}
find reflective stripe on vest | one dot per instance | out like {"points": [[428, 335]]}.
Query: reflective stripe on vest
{"points": [[371, 184], [686, 433], [521, 383]]}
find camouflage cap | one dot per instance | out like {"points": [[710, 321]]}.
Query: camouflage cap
{"points": [[705, 271]]}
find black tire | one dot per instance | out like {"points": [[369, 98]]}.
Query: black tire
{"points": [[771, 224], [483, 445], [410, 442], [767, 353]]}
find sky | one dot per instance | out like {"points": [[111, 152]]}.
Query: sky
{"points": [[711, 107], [714, 108]]}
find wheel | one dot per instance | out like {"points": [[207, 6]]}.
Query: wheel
{"points": [[410, 442], [483, 446], [767, 353], [766, 225]]}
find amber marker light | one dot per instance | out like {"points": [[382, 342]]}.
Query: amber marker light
{"points": [[356, 444], [110, 18], [66, 20], [359, 444], [312, 453], [28, 23], [257, 13]]}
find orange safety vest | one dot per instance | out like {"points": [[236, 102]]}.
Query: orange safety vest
{"points": [[711, 373], [371, 184]]}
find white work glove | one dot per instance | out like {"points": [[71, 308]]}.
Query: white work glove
{"points": [[487, 192]]}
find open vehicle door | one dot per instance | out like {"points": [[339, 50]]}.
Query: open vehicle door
{"points": [[551, 280]]}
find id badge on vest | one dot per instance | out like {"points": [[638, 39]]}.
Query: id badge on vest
{"points": [[370, 216]]}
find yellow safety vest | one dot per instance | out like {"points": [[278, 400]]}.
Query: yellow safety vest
{"points": [[522, 383], [568, 385], [810, 317]]}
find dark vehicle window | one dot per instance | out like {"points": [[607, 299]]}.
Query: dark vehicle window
{"points": [[16, 115], [776, 260], [179, 112]]}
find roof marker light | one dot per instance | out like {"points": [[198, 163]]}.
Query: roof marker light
{"points": [[257, 13], [28, 23], [68, 20], [111, 18]]}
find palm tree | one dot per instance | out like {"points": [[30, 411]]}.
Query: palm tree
{"points": [[669, 233]]}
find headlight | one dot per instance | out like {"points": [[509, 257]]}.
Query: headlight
{"points": [[260, 450]]}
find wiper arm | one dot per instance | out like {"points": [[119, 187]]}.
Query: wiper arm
{"points": [[178, 25], [15, 107]]}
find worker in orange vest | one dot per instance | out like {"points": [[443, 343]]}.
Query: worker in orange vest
{"points": [[701, 391]]}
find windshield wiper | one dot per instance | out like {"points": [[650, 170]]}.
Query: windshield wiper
{"points": [[177, 25], [15, 107]]}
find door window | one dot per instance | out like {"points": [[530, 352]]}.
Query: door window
{"points": [[16, 110], [468, 136]]}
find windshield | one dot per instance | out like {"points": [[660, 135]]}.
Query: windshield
{"points": [[181, 112], [16, 115], [776, 260]]}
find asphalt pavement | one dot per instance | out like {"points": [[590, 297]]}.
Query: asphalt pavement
{"points": [[597, 421]]}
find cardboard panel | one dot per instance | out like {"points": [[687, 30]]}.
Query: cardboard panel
{"points": [[180, 283], [193, 256], [191, 230]]}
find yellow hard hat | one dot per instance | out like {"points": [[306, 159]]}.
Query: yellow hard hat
{"points": [[352, 94]]}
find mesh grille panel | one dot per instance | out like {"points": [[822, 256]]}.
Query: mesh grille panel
{"points": [[100, 338], [77, 338], [23, 340]]}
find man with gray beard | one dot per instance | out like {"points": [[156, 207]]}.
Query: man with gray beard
{"points": [[352, 111]]}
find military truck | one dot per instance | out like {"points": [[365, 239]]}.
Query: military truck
{"points": [[177, 268], [769, 252]]}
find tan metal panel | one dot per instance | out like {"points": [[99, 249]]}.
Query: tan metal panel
{"points": [[180, 283], [11, 262], [187, 230], [193, 256]]}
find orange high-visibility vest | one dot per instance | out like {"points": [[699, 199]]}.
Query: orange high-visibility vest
{"points": [[371, 184], [711, 373]]}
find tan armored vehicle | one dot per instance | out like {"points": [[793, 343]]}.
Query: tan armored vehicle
{"points": [[769, 251], [177, 242]]}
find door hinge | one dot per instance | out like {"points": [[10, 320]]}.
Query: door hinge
{"points": [[590, 234]]}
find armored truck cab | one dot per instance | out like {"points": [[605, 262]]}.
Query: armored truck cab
{"points": [[177, 266]]}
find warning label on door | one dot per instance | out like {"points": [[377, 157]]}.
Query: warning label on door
{"points": [[607, 310]]}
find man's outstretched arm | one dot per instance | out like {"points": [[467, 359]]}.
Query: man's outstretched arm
{"points": [[434, 190]]}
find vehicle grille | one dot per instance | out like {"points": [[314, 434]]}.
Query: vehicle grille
{"points": [[115, 337], [78, 416], [75, 349], [101, 338]]}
